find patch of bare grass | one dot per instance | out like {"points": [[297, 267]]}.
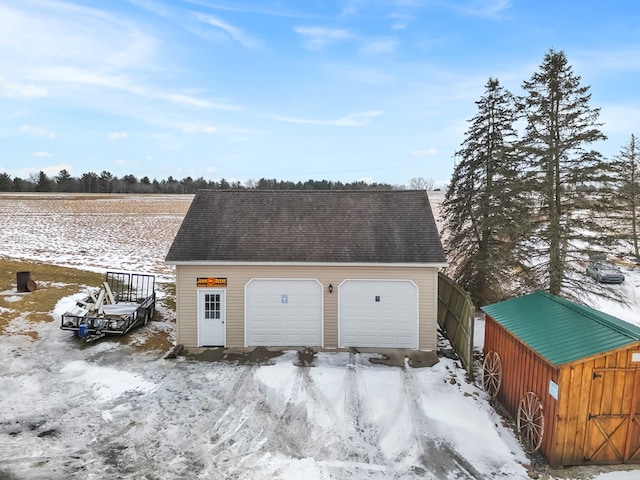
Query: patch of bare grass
{"points": [[158, 340], [169, 299], [52, 284]]}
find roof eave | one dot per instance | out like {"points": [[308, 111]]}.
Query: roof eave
{"points": [[309, 264]]}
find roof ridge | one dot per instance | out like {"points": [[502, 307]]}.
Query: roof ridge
{"points": [[259, 190]]}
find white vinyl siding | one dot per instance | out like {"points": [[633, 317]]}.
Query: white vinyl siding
{"points": [[426, 278]]}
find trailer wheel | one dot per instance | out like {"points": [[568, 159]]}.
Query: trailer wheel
{"points": [[145, 316], [152, 311], [492, 374], [530, 422]]}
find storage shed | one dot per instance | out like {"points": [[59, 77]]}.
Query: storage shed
{"points": [[569, 374], [307, 268]]}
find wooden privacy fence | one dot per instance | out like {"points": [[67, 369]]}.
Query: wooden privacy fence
{"points": [[455, 317]]}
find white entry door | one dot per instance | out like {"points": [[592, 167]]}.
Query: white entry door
{"points": [[211, 318]]}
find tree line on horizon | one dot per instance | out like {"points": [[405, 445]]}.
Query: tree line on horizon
{"points": [[529, 202], [106, 182]]}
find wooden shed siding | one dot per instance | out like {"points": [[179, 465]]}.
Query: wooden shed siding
{"points": [[574, 386], [566, 440], [238, 275], [522, 371]]}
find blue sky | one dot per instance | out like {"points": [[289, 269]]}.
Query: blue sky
{"points": [[377, 90]]}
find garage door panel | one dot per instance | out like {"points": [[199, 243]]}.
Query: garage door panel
{"points": [[378, 313], [283, 312]]}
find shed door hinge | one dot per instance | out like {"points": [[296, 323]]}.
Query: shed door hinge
{"points": [[596, 375]]}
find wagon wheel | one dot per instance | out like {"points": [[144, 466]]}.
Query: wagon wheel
{"points": [[530, 422], [492, 373]]}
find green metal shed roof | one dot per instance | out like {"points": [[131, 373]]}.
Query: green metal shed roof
{"points": [[559, 330]]}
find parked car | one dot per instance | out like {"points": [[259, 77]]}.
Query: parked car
{"points": [[604, 272]]}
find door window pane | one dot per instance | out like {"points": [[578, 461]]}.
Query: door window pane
{"points": [[212, 305]]}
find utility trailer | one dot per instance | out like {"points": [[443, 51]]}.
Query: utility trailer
{"points": [[124, 301]]}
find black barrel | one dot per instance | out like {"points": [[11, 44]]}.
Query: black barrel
{"points": [[25, 284]]}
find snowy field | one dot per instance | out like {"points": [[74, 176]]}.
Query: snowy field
{"points": [[108, 411]]}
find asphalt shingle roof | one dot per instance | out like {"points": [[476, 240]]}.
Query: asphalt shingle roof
{"points": [[559, 330], [308, 226]]}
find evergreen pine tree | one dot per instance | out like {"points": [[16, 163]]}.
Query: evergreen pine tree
{"points": [[626, 191], [568, 225], [482, 211]]}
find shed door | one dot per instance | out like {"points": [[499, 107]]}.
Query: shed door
{"points": [[283, 313], [378, 313], [613, 428]]}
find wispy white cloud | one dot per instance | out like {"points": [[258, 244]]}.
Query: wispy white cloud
{"points": [[270, 10], [619, 122], [122, 161], [42, 154], [93, 48], [351, 120], [58, 33], [483, 8], [359, 73], [378, 46], [40, 131], [117, 135], [122, 82], [400, 20], [595, 61], [352, 7], [199, 129], [317, 38], [18, 90], [49, 170], [154, 7], [424, 153], [230, 31]]}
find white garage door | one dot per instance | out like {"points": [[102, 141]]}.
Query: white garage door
{"points": [[283, 313], [378, 313]]}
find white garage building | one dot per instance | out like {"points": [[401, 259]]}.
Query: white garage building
{"points": [[327, 269]]}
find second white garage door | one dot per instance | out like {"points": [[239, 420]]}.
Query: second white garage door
{"points": [[283, 313], [378, 313]]}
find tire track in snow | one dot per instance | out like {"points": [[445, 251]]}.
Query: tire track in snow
{"points": [[221, 437], [438, 457], [362, 438], [170, 424], [316, 396], [165, 430], [332, 447], [235, 441], [259, 429]]}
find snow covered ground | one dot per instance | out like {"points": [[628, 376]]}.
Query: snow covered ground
{"points": [[108, 411]]}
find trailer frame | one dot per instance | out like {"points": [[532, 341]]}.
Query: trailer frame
{"points": [[125, 300]]}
